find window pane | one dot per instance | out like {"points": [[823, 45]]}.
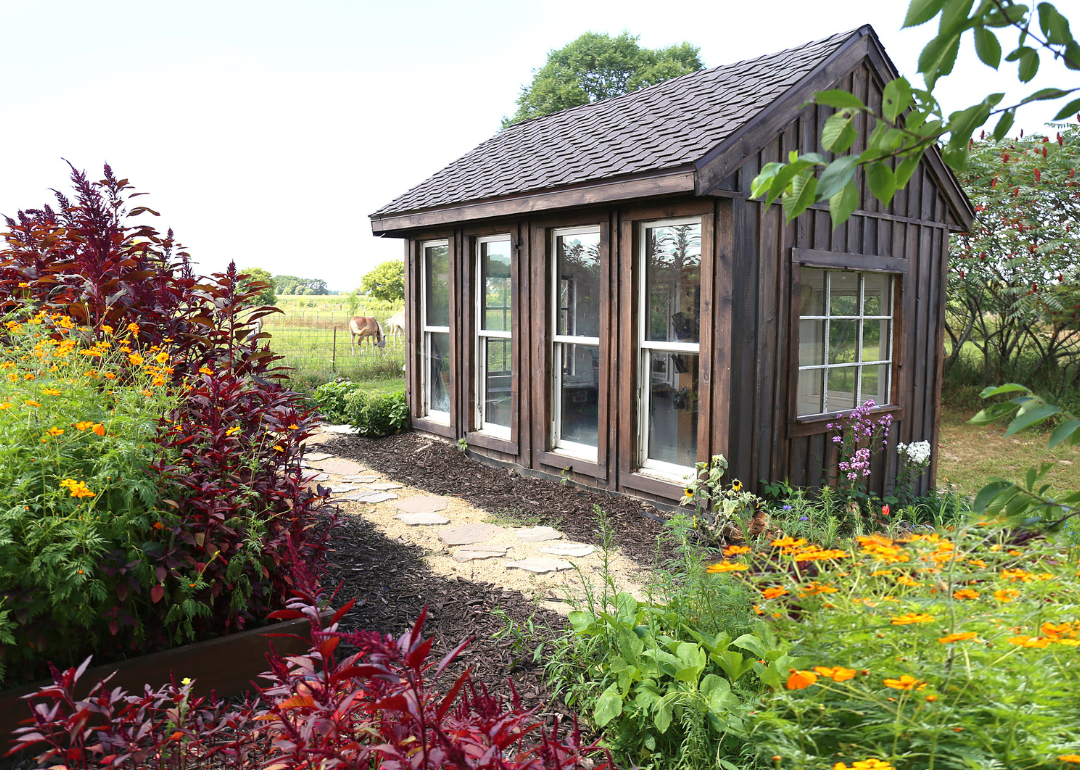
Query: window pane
{"points": [[673, 283], [497, 381], [438, 371], [842, 341], [578, 392], [495, 283], [812, 292], [810, 391], [843, 293], [877, 298], [811, 343], [577, 282], [841, 389], [875, 342], [673, 407], [437, 285], [874, 383]]}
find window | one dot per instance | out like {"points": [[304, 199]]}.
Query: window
{"points": [[435, 330], [845, 340], [575, 362], [493, 331], [668, 344]]}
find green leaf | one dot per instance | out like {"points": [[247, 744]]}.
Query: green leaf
{"points": [[782, 180], [1054, 25], [987, 47], [988, 493], [839, 99], [662, 718], [1062, 432], [896, 98], [838, 133], [881, 180], [1029, 64], [608, 706], [997, 390], [802, 195], [1070, 109], [836, 175], [938, 56], [763, 180], [954, 17], [905, 168], [1044, 94], [843, 203], [1031, 417], [922, 11], [1005, 122]]}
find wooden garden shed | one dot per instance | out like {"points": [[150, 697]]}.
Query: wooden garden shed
{"points": [[594, 293]]}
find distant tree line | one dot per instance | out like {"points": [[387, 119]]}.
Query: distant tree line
{"points": [[290, 284]]}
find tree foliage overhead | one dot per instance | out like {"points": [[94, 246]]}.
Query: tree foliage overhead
{"points": [[597, 66], [909, 121], [266, 295], [386, 281], [1014, 281]]}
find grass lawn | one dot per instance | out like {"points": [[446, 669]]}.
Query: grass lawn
{"points": [[971, 454]]}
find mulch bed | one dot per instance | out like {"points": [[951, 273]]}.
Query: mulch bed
{"points": [[392, 585]]}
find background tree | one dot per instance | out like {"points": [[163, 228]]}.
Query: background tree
{"points": [[386, 281], [266, 295], [597, 66], [1013, 282], [291, 284]]}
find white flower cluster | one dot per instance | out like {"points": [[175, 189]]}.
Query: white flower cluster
{"points": [[917, 452]]}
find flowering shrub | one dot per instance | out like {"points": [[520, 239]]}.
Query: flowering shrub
{"points": [[373, 708], [914, 458], [723, 515], [857, 436], [920, 651], [151, 482]]}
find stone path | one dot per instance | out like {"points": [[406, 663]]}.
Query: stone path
{"points": [[465, 541]]}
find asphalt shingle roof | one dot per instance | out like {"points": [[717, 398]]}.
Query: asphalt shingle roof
{"points": [[664, 126]]}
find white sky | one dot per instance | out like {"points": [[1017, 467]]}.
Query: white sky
{"points": [[267, 131]]}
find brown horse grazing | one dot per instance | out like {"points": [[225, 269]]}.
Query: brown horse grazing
{"points": [[366, 326]]}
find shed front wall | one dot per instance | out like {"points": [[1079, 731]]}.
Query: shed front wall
{"points": [[749, 328]]}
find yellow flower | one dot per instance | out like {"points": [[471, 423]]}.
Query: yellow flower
{"points": [[294, 427], [957, 637], [279, 448], [5, 405], [50, 391], [1031, 642], [135, 359], [76, 488], [966, 593], [54, 432], [735, 550], [736, 485], [29, 376], [84, 425], [837, 673], [912, 618], [161, 357], [1073, 759], [133, 328], [31, 402], [185, 681], [772, 593], [233, 430], [1006, 595], [726, 566], [905, 682], [865, 764], [788, 542]]}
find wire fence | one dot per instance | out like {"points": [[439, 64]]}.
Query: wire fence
{"points": [[320, 343]]}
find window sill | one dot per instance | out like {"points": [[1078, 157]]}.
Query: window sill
{"points": [[497, 442], [585, 466], [814, 424]]}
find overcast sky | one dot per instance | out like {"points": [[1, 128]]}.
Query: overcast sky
{"points": [[267, 131]]}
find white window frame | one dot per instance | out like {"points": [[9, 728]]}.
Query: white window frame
{"points": [[425, 336], [557, 351], [645, 350], [859, 364], [482, 335]]}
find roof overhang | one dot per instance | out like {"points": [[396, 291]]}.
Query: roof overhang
{"points": [[667, 182]]}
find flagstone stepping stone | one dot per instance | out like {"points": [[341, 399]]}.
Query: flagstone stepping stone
{"points": [[384, 486], [339, 489], [361, 479], [338, 429], [377, 497], [341, 467], [421, 504], [316, 456], [538, 534], [477, 552], [421, 517], [540, 565], [469, 533], [569, 549]]}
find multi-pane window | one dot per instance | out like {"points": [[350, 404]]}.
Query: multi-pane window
{"points": [[493, 331], [668, 344], [435, 330], [576, 291], [845, 340]]}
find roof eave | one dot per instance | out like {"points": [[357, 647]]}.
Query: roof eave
{"points": [[680, 179]]}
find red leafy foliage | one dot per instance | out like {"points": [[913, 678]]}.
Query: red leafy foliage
{"points": [[373, 708]]}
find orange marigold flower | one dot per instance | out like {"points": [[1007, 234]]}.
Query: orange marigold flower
{"points": [[294, 426], [32, 402], [772, 593], [158, 525], [99, 429], [205, 370], [731, 550], [1073, 759], [957, 637], [966, 593], [836, 673], [911, 619], [1012, 575], [84, 425], [133, 328], [865, 764], [788, 542], [5, 405], [233, 430], [279, 448], [906, 580], [1006, 595], [76, 488], [814, 588], [880, 572], [50, 391], [1033, 642], [800, 680], [905, 682], [722, 566], [54, 432]]}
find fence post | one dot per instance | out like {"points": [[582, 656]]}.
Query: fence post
{"points": [[333, 354]]}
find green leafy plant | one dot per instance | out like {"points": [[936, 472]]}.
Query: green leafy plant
{"points": [[376, 415], [721, 514]]}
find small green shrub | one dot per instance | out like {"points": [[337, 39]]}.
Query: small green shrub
{"points": [[329, 398], [376, 415]]}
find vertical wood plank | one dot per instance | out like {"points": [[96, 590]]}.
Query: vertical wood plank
{"points": [[722, 331], [627, 336], [707, 344], [745, 216]]}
